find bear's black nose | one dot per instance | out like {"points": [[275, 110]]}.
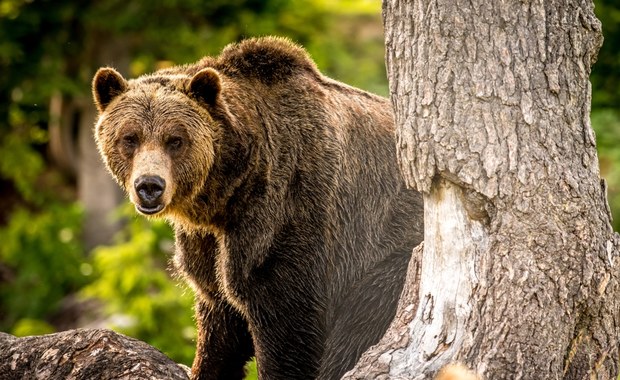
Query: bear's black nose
{"points": [[149, 189]]}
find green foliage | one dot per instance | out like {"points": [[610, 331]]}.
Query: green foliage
{"points": [[20, 162], [31, 326], [43, 255], [138, 295], [606, 73], [251, 371], [605, 116], [606, 124]]}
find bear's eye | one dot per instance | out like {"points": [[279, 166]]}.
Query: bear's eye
{"points": [[130, 142], [174, 143]]}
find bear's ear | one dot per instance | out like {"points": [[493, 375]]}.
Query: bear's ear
{"points": [[107, 85], [205, 86]]}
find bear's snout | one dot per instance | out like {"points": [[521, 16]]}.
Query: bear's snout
{"points": [[150, 189]]}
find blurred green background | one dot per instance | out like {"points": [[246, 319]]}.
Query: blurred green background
{"points": [[73, 252]]}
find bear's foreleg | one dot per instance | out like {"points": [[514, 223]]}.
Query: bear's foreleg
{"points": [[287, 324], [224, 344]]}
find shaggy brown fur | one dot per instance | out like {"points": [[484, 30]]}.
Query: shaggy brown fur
{"points": [[292, 221]]}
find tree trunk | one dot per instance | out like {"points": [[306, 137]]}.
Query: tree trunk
{"points": [[72, 143], [97, 191], [73, 150], [520, 267], [84, 354]]}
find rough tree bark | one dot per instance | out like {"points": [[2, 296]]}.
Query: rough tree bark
{"points": [[519, 269], [84, 355]]}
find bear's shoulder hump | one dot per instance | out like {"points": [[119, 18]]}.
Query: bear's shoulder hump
{"points": [[268, 59]]}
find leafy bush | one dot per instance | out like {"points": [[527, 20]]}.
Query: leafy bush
{"points": [[21, 163], [43, 257]]}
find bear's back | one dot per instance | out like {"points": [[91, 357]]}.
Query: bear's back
{"points": [[269, 60]]}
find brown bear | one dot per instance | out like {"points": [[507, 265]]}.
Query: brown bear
{"points": [[292, 221]]}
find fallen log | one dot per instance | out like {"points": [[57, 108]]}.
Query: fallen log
{"points": [[84, 354]]}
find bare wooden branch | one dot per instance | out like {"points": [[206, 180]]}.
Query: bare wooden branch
{"points": [[84, 354]]}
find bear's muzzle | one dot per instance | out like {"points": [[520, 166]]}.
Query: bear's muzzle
{"points": [[150, 189]]}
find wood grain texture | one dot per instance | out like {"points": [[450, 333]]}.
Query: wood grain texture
{"points": [[83, 354]]}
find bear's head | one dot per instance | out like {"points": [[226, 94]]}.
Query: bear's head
{"points": [[157, 136]]}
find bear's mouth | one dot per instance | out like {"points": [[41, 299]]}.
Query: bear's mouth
{"points": [[149, 210]]}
